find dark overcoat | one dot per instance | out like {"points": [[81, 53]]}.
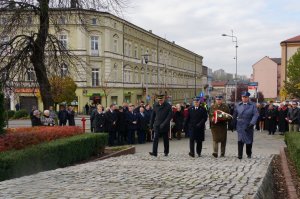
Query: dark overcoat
{"points": [[271, 117], [130, 118], [244, 115], [161, 117], [282, 122], [99, 122], [195, 122], [111, 120], [219, 129]]}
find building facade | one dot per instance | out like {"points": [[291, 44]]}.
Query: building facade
{"points": [[288, 48], [267, 73], [123, 63]]}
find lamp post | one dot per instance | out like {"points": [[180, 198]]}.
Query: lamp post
{"points": [[234, 39], [146, 59]]}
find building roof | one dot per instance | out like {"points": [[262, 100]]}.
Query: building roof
{"points": [[292, 40], [276, 60]]}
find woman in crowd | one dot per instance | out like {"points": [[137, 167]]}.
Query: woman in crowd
{"points": [[178, 119], [262, 116], [46, 119], [36, 120], [99, 120], [271, 117]]}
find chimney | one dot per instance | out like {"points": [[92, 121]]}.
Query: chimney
{"points": [[150, 31], [74, 3]]}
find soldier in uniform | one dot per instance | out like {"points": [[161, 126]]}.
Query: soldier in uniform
{"points": [[196, 126], [244, 117], [219, 128], [160, 123]]}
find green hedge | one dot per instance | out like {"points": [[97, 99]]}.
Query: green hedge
{"points": [[21, 114], [10, 113], [292, 141], [51, 155]]}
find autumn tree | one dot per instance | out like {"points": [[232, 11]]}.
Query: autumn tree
{"points": [[293, 76], [63, 89], [27, 44]]}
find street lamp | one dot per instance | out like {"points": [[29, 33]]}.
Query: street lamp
{"points": [[234, 39], [146, 60]]}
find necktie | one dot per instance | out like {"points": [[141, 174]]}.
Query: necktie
{"points": [[196, 108]]}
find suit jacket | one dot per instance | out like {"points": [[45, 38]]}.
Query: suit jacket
{"points": [[111, 120], [196, 122], [161, 117], [130, 118], [142, 122]]}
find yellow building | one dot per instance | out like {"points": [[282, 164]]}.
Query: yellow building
{"points": [[123, 62], [288, 48]]}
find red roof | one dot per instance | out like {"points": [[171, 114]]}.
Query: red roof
{"points": [[293, 39]]}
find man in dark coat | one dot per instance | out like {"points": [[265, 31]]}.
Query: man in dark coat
{"points": [[271, 117], [160, 123], [122, 126], [142, 125], [63, 116], [293, 117], [111, 124], [244, 117], [196, 126], [131, 120], [219, 127], [71, 116]]}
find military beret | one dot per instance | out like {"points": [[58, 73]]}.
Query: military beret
{"points": [[245, 94]]}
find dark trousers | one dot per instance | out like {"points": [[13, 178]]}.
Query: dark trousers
{"points": [[240, 149], [166, 142], [141, 136], [111, 138], [198, 147], [131, 136], [62, 123]]}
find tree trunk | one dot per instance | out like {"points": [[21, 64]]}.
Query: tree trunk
{"points": [[38, 55]]}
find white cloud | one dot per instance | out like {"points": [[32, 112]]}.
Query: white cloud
{"points": [[197, 25]]}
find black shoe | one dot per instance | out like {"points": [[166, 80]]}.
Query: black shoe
{"points": [[249, 156], [166, 154], [240, 157], [215, 155], [199, 154], [222, 156], [191, 154], [153, 154]]}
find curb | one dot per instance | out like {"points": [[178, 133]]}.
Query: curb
{"points": [[130, 150], [287, 175], [265, 189]]}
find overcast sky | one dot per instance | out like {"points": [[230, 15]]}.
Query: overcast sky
{"points": [[260, 26]]}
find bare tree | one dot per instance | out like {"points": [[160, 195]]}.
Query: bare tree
{"points": [[27, 44]]}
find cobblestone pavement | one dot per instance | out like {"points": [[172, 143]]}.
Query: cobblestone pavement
{"points": [[144, 176]]}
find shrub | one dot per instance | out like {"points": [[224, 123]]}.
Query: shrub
{"points": [[51, 155], [19, 138], [20, 114], [10, 113], [293, 145]]}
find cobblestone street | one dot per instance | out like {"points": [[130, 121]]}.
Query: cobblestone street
{"points": [[144, 176]]}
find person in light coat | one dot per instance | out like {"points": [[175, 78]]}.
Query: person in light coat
{"points": [[244, 117]]}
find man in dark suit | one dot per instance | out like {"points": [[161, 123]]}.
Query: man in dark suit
{"points": [[195, 121], [131, 120], [160, 123], [111, 119]]}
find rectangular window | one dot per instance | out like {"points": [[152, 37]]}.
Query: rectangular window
{"points": [[63, 40], [95, 77], [94, 21], [129, 50], [30, 75], [114, 99], [135, 52], [95, 45], [115, 46]]}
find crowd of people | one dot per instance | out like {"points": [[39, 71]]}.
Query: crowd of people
{"points": [[130, 124], [51, 118]]}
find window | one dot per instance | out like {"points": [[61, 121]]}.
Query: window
{"points": [[115, 25], [127, 74], [95, 77], [129, 49], [62, 20], [63, 40], [95, 45], [136, 74], [115, 43], [135, 51], [114, 99], [94, 21], [30, 74], [29, 20], [63, 70], [115, 73]]}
